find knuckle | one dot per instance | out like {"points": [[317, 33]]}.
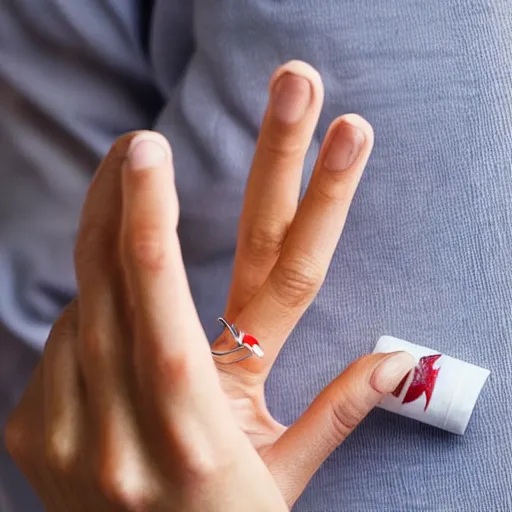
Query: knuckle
{"points": [[202, 467], [146, 247], [264, 238], [123, 486], [15, 437], [297, 281], [121, 471], [282, 148], [175, 367], [329, 194], [345, 416], [348, 408], [199, 468], [60, 452]]}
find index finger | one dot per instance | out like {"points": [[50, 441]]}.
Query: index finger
{"points": [[171, 353]]}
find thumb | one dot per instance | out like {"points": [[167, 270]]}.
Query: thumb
{"points": [[333, 415]]}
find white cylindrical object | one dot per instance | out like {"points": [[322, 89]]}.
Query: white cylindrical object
{"points": [[441, 391]]}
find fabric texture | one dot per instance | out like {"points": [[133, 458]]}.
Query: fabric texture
{"points": [[426, 252]]}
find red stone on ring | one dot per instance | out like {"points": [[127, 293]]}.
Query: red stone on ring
{"points": [[249, 340], [252, 343]]}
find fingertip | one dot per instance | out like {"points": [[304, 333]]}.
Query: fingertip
{"points": [[150, 207], [390, 371], [358, 123], [141, 135], [302, 69], [347, 144], [147, 150]]}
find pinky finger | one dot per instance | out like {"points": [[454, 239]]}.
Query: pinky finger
{"points": [[62, 395], [25, 446], [30, 433], [63, 405]]}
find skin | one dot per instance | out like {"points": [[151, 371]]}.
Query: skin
{"points": [[127, 409]]}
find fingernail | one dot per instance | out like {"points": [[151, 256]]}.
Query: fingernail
{"points": [[390, 372], [146, 153], [291, 98], [346, 144]]}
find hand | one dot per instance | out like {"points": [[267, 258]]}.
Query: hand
{"points": [[127, 409]]}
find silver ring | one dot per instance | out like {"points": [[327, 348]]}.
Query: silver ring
{"points": [[246, 346]]}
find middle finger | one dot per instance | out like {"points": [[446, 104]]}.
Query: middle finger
{"points": [[273, 188]]}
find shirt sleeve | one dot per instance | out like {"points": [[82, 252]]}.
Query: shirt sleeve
{"points": [[73, 77]]}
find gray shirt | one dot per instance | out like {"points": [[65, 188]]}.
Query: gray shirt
{"points": [[426, 252]]}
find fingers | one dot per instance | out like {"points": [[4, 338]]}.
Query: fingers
{"points": [[25, 441], [144, 356], [151, 250], [334, 414], [104, 340], [296, 97], [165, 314], [97, 267], [101, 345], [64, 402], [175, 372], [312, 238], [317, 227]]}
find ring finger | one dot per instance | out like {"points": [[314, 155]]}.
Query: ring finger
{"points": [[104, 346]]}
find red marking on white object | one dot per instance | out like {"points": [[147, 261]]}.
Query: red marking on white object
{"points": [[457, 387], [423, 381]]}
